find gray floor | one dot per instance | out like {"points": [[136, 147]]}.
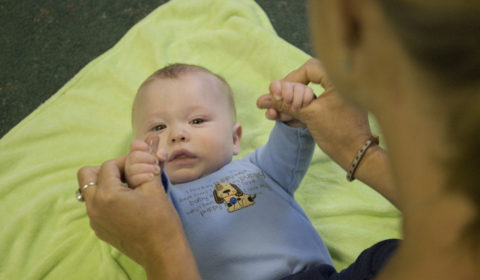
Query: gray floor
{"points": [[45, 43]]}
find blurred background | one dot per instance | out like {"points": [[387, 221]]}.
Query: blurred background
{"points": [[44, 43]]}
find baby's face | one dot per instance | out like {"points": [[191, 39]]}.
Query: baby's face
{"points": [[195, 124]]}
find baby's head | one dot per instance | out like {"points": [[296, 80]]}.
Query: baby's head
{"points": [[192, 112]]}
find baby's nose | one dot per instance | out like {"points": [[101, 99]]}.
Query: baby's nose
{"points": [[179, 135], [178, 138]]}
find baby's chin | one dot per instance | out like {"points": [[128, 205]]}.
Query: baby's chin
{"points": [[183, 177], [186, 176], [182, 180]]}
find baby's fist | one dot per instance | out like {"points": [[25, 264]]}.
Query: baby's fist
{"points": [[141, 165]]}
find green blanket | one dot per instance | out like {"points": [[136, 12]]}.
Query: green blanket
{"points": [[45, 232]]}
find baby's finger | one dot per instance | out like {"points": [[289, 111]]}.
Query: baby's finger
{"points": [[276, 89], [139, 145], [144, 168], [141, 157], [308, 96], [287, 92], [298, 91]]}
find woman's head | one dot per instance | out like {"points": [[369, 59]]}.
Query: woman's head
{"points": [[367, 46], [443, 40], [439, 41], [442, 37]]}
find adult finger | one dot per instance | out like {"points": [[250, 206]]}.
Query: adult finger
{"points": [[272, 114], [265, 101], [87, 175], [274, 107], [111, 171], [311, 71], [138, 179], [139, 145], [153, 187]]}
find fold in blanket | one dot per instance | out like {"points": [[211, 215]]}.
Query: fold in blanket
{"points": [[45, 232]]}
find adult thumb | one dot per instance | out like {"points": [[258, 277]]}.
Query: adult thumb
{"points": [[265, 101], [157, 186]]}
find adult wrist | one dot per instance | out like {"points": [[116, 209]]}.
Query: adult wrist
{"points": [[352, 168]]}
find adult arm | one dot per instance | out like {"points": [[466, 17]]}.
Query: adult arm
{"points": [[141, 222], [339, 129]]}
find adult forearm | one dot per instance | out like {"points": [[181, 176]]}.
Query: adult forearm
{"points": [[374, 170], [342, 143], [340, 130]]}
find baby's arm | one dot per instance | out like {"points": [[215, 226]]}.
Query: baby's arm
{"points": [[295, 96], [141, 165], [289, 150]]}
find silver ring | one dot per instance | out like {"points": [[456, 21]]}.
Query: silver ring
{"points": [[78, 193]]}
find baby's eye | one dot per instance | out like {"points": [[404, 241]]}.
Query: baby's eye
{"points": [[159, 127], [197, 121]]}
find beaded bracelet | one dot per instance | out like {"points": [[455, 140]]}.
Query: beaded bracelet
{"points": [[372, 140]]}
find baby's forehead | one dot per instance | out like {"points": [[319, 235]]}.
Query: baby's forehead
{"points": [[197, 79], [187, 84], [206, 83]]}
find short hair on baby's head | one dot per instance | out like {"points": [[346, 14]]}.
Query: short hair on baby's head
{"points": [[177, 70]]}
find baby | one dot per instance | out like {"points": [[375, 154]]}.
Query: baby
{"points": [[240, 217]]}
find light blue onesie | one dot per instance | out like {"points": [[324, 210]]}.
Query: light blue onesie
{"points": [[242, 221]]}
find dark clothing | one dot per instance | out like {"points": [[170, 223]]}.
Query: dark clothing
{"points": [[365, 267]]}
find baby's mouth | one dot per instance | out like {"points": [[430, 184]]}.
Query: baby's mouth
{"points": [[181, 155]]}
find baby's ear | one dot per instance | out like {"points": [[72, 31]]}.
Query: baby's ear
{"points": [[237, 136]]}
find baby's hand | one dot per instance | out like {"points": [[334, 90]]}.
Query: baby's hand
{"points": [[294, 95], [141, 165]]}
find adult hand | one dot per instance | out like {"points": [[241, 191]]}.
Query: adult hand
{"points": [[339, 128], [140, 222]]}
